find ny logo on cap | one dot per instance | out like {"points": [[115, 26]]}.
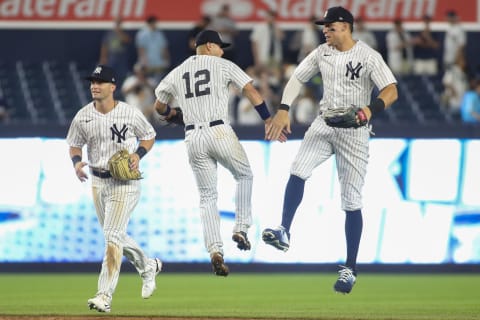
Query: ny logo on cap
{"points": [[326, 14], [98, 70]]}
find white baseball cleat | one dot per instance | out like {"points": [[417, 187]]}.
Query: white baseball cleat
{"points": [[148, 277], [101, 303]]}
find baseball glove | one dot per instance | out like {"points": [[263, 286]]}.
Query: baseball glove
{"points": [[177, 119], [351, 117], [119, 166]]}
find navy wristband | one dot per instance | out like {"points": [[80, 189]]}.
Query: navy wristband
{"points": [[167, 112], [141, 151], [76, 159], [263, 110], [376, 106], [284, 106]]}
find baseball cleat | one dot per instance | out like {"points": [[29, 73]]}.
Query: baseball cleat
{"points": [[278, 238], [346, 280], [218, 265], [148, 277], [101, 303], [242, 240]]}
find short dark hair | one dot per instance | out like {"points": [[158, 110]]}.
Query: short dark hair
{"points": [[151, 19]]}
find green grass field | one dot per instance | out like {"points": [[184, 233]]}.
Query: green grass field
{"points": [[243, 295]]}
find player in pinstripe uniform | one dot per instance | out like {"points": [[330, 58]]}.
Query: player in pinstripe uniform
{"points": [[201, 87], [350, 69], [106, 125]]}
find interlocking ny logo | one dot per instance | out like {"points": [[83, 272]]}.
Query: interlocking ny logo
{"points": [[354, 72], [120, 134]]}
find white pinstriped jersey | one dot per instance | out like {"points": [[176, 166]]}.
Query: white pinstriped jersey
{"points": [[105, 134], [200, 85], [348, 77]]}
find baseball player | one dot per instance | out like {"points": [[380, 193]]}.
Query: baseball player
{"points": [[106, 125], [200, 85], [350, 69]]}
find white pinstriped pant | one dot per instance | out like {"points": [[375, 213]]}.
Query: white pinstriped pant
{"points": [[206, 146], [114, 202], [350, 147]]}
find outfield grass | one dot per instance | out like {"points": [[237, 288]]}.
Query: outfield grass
{"points": [[292, 296]]}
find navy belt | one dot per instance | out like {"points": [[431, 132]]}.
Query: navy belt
{"points": [[211, 124], [101, 174]]}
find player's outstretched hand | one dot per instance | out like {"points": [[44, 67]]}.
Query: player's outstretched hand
{"points": [[81, 175], [278, 127]]}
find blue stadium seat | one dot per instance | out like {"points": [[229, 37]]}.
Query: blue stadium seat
{"points": [[11, 91]]}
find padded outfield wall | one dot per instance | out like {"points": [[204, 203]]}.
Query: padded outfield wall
{"points": [[428, 212]]}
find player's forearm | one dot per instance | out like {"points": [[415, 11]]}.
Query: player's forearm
{"points": [[75, 155], [162, 108], [147, 144], [74, 151], [256, 100], [389, 95], [252, 94], [143, 147], [291, 91]]}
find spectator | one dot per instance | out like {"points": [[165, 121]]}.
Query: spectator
{"points": [[455, 83], [201, 25], [360, 32], [425, 50], [305, 40], [246, 113], [114, 50], [4, 114], [138, 90], [305, 109], [399, 49], [152, 49], [226, 26], [266, 39], [455, 40], [470, 107]]}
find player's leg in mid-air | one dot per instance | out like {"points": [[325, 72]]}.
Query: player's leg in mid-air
{"points": [[230, 154], [314, 150], [351, 160], [204, 169]]}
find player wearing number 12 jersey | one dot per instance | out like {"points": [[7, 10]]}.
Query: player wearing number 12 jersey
{"points": [[201, 87]]}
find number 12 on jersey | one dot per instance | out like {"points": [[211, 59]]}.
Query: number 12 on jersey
{"points": [[200, 83]]}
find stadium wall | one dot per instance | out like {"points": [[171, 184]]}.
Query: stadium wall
{"points": [[83, 46]]}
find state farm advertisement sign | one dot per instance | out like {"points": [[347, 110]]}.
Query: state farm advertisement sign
{"points": [[242, 10]]}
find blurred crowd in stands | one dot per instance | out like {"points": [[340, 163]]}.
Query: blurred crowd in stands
{"points": [[419, 53]]}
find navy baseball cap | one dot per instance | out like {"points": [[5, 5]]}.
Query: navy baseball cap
{"points": [[102, 73], [335, 14], [210, 36]]}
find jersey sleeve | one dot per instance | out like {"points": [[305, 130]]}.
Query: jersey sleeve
{"points": [[76, 137], [165, 90], [143, 128], [237, 75], [308, 67], [381, 74]]}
